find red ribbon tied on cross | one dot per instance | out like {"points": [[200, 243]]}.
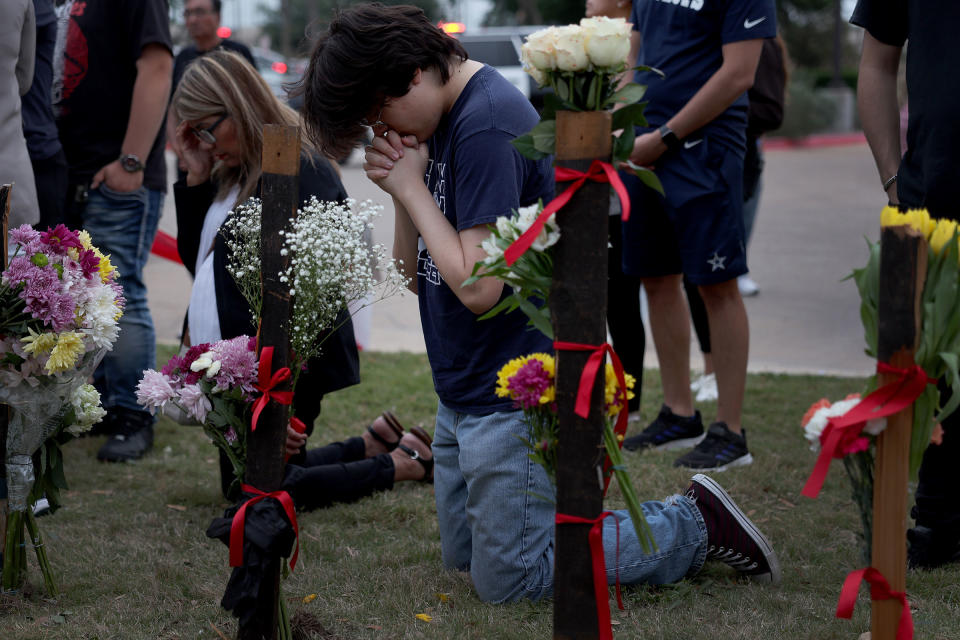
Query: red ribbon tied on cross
{"points": [[879, 590], [267, 384], [599, 171], [587, 378], [240, 518], [841, 431], [599, 567]]}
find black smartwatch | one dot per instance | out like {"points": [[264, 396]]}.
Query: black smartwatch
{"points": [[669, 138], [131, 163]]}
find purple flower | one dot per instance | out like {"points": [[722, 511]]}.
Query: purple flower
{"points": [[230, 435], [154, 390], [195, 402], [528, 384], [60, 239], [20, 270], [238, 364], [24, 235], [89, 263], [174, 367]]}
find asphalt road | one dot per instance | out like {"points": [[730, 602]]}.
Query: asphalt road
{"points": [[817, 207]]}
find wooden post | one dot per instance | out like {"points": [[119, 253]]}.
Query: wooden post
{"points": [[903, 268], [578, 302], [4, 409], [265, 446]]}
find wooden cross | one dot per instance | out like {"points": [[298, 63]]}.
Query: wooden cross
{"points": [[265, 446], [578, 302], [903, 269]]}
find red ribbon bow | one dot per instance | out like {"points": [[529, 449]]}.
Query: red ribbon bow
{"points": [[879, 590], [841, 431], [239, 520], [582, 408], [267, 383], [599, 567], [598, 172]]}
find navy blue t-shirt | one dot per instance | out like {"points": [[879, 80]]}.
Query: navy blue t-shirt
{"points": [[684, 40], [475, 176], [39, 127]]}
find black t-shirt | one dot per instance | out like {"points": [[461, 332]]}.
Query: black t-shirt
{"points": [[92, 92], [191, 53], [928, 171]]}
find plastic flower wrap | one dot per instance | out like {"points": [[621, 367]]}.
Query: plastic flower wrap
{"points": [[330, 265], [214, 385], [583, 65], [530, 381], [530, 276], [59, 307]]}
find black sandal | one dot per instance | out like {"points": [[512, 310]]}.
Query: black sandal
{"points": [[427, 464], [394, 425]]}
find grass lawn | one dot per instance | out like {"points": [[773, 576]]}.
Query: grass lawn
{"points": [[132, 560]]}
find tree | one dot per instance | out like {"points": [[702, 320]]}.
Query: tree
{"points": [[306, 18]]}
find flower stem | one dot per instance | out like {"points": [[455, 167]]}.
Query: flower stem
{"points": [[640, 525], [14, 553], [34, 531]]}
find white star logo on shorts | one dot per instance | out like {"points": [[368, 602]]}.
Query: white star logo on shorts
{"points": [[716, 262]]}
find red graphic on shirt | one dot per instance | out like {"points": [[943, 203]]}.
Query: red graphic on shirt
{"points": [[75, 55]]}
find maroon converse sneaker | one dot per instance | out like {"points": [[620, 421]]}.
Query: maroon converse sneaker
{"points": [[731, 537]]}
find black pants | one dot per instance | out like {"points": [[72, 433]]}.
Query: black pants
{"points": [[937, 500], [623, 312], [337, 472], [50, 176]]}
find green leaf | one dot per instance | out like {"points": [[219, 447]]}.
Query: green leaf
{"points": [[643, 68], [629, 94], [647, 177], [551, 104], [563, 91], [626, 117], [545, 136], [539, 316], [623, 145], [508, 304], [952, 360], [524, 144]]}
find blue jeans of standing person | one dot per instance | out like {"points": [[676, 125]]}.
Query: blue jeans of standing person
{"points": [[497, 516], [123, 226]]}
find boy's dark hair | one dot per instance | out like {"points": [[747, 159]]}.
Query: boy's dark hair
{"points": [[368, 53]]}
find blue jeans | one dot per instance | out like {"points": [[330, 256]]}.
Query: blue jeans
{"points": [[493, 523], [123, 225]]}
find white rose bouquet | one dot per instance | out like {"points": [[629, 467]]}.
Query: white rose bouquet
{"points": [[530, 276], [583, 64]]}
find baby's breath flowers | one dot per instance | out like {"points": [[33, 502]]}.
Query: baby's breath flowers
{"points": [[330, 265]]}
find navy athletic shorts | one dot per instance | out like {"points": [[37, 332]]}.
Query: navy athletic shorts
{"points": [[697, 227]]}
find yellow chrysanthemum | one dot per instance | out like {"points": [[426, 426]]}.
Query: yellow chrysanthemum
{"points": [[506, 372], [85, 240], [510, 369], [38, 343], [65, 354], [944, 233]]}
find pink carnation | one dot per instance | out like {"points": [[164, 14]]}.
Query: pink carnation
{"points": [[528, 384], [154, 390], [193, 400]]}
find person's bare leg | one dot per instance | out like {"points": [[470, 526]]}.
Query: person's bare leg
{"points": [[372, 446], [670, 326], [730, 345]]}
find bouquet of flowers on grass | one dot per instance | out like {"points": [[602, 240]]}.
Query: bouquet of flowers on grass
{"points": [[215, 385], [583, 65], [530, 382], [530, 276], [59, 307], [330, 266]]}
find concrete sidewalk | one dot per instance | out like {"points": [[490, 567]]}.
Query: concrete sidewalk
{"points": [[818, 204]]}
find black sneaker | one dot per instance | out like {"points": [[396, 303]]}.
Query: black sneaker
{"points": [[931, 548], [668, 431], [731, 537], [132, 436], [719, 450]]}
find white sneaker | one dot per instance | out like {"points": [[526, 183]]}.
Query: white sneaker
{"points": [[747, 286], [707, 388]]}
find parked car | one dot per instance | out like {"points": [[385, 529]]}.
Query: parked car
{"points": [[499, 47], [277, 70]]}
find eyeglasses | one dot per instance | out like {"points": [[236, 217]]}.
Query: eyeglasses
{"points": [[206, 135], [376, 124], [198, 13]]}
